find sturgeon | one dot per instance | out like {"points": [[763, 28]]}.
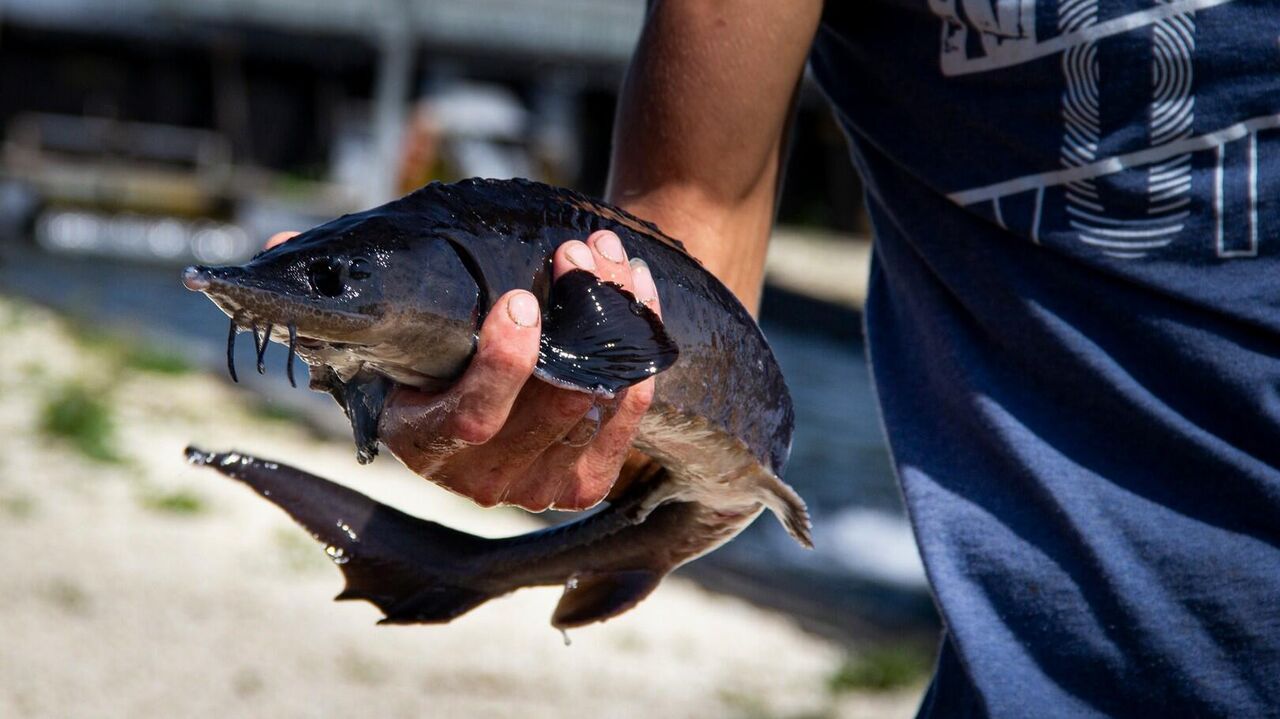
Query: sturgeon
{"points": [[396, 294]]}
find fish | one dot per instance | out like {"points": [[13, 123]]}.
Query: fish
{"points": [[396, 295]]}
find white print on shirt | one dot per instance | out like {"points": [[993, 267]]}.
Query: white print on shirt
{"points": [[1171, 113], [1008, 36], [1006, 30]]}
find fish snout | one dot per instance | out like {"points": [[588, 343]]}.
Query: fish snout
{"points": [[197, 278]]}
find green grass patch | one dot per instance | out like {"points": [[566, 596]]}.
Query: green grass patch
{"points": [[75, 414], [130, 352], [743, 705], [300, 553], [357, 668], [881, 668], [180, 502], [94, 338], [15, 316], [147, 358], [18, 506], [273, 412], [33, 371], [67, 596]]}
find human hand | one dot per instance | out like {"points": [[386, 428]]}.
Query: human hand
{"points": [[500, 436]]}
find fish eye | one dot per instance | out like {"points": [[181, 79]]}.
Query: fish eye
{"points": [[359, 268], [325, 276]]}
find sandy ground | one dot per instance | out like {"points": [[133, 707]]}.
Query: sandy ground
{"points": [[218, 606]]}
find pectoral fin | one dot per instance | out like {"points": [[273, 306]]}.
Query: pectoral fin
{"points": [[598, 338], [362, 399]]}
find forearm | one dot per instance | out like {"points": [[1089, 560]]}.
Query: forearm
{"points": [[700, 126]]}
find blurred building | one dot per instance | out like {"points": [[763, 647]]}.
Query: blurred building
{"points": [[282, 79], [296, 110]]}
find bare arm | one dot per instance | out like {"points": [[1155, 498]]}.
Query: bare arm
{"points": [[697, 150], [699, 135]]}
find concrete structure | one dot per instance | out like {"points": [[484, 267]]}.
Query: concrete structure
{"points": [[582, 30], [594, 34]]}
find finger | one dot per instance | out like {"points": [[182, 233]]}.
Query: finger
{"points": [[423, 428], [280, 238], [410, 427], [497, 472], [556, 468], [506, 353], [643, 286], [597, 256], [611, 258], [578, 478], [572, 255], [602, 460]]}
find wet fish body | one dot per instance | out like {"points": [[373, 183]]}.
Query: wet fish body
{"points": [[397, 293]]}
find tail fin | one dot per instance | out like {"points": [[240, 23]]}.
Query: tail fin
{"points": [[415, 571]]}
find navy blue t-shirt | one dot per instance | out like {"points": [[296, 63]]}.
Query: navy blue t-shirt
{"points": [[1074, 327]]}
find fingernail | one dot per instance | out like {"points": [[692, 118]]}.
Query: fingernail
{"points": [[522, 308], [610, 246], [580, 255], [642, 281]]}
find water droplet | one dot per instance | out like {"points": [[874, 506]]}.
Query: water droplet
{"points": [[586, 429], [567, 641], [337, 554], [199, 458]]}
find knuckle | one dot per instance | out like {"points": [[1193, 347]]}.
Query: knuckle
{"points": [[534, 504], [487, 496], [472, 427], [587, 487], [568, 405], [509, 361], [423, 454], [640, 397], [633, 407], [579, 497]]}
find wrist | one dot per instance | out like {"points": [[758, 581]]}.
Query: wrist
{"points": [[731, 245]]}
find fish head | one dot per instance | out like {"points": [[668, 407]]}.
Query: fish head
{"points": [[371, 288]]}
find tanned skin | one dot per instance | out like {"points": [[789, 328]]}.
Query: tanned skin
{"points": [[701, 122], [697, 149]]}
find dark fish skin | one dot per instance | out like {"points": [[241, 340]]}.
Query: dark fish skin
{"points": [[420, 572], [726, 371], [720, 425]]}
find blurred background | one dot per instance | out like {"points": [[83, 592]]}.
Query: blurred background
{"points": [[139, 136]]}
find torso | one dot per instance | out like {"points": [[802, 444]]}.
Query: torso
{"points": [[1074, 334]]}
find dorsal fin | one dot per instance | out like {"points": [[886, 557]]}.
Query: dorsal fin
{"points": [[460, 198], [628, 220]]}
